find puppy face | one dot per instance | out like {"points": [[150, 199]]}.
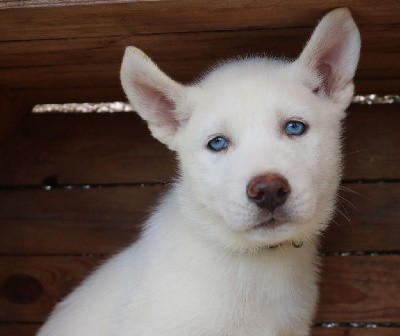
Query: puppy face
{"points": [[258, 140], [247, 108]]}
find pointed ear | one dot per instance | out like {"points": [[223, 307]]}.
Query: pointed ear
{"points": [[332, 53], [153, 95]]}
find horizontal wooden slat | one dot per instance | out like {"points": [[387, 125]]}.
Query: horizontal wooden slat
{"points": [[81, 46], [95, 62], [73, 221], [360, 289], [118, 148], [184, 56], [84, 148], [12, 112], [373, 220], [353, 288], [31, 286], [146, 17], [55, 3], [372, 142], [105, 220], [18, 329]]}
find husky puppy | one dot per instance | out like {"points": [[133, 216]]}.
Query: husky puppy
{"points": [[231, 249]]}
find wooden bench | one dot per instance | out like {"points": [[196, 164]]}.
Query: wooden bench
{"points": [[74, 188]]}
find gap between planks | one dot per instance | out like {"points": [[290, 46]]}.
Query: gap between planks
{"points": [[86, 186]]}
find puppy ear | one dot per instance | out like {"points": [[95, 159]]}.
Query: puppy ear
{"points": [[332, 53], [153, 95]]}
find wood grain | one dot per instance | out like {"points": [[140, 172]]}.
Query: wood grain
{"points": [[106, 148], [94, 62], [372, 219], [73, 221], [118, 148], [57, 276], [81, 46], [372, 143], [99, 221], [147, 17], [21, 329], [360, 289], [12, 112], [191, 53], [55, 3], [353, 288]]}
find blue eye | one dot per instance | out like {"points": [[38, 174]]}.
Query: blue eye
{"points": [[294, 127], [217, 144]]}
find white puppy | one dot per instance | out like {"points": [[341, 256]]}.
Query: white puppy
{"points": [[231, 249]]}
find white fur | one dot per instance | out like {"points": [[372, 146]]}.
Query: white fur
{"points": [[200, 266]]}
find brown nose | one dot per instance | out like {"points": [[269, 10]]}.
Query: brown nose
{"points": [[268, 191]]}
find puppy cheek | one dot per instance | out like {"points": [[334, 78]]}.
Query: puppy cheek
{"points": [[203, 185]]}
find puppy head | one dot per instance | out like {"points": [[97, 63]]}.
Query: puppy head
{"points": [[258, 139]]}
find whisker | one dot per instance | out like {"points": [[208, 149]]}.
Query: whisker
{"points": [[345, 210], [347, 189], [355, 152], [347, 202], [341, 212], [335, 222], [342, 187]]}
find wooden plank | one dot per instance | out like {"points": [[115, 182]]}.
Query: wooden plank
{"points": [[56, 3], [12, 111], [372, 223], [102, 221], [43, 47], [170, 51], [359, 289], [378, 86], [21, 329], [84, 148], [372, 144], [88, 62], [174, 51], [73, 221], [145, 17], [117, 148], [31, 286]]}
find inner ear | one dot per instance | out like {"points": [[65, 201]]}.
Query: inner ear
{"points": [[325, 67], [161, 107], [157, 98], [332, 54], [324, 71]]}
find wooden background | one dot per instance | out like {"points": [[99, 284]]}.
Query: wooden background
{"points": [[104, 170]]}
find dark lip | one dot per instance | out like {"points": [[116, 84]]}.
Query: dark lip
{"points": [[269, 223]]}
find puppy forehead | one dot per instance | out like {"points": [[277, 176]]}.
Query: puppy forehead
{"points": [[249, 91], [242, 79]]}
